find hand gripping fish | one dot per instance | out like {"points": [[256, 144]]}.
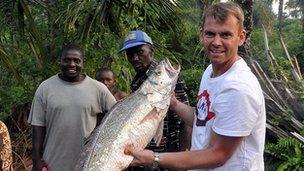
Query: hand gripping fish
{"points": [[134, 121]]}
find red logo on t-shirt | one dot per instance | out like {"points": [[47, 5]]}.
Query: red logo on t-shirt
{"points": [[203, 108]]}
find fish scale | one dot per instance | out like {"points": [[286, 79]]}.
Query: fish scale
{"points": [[133, 121]]}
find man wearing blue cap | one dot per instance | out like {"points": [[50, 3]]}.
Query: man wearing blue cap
{"points": [[139, 50], [140, 53]]}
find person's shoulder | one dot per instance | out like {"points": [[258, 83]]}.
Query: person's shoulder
{"points": [[95, 83], [52, 78], [46, 85], [209, 68], [243, 81], [2, 124], [90, 80], [49, 81], [207, 72]]}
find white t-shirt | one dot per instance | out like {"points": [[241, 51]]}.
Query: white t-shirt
{"points": [[232, 104], [69, 112]]}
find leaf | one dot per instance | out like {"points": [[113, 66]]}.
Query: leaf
{"points": [[8, 63]]}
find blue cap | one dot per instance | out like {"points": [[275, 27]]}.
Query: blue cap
{"points": [[136, 38]]}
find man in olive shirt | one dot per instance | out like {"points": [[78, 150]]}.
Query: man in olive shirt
{"points": [[64, 112]]}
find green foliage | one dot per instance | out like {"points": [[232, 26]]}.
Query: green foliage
{"points": [[301, 90], [296, 8], [262, 14], [34, 32], [293, 38], [290, 152]]}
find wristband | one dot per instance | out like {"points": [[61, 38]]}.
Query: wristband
{"points": [[155, 164]]}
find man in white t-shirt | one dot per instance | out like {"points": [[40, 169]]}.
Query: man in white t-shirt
{"points": [[64, 112], [229, 119]]}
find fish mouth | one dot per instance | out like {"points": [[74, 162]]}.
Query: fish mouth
{"points": [[171, 70]]}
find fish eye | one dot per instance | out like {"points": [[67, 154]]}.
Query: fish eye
{"points": [[157, 72]]}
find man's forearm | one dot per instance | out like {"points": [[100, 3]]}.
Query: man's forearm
{"points": [[37, 146], [220, 149], [185, 112], [185, 137]]}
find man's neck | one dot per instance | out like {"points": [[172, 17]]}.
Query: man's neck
{"points": [[72, 79], [220, 69]]}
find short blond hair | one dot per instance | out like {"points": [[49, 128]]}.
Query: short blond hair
{"points": [[221, 11]]}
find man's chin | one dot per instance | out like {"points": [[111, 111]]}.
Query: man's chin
{"points": [[71, 76]]}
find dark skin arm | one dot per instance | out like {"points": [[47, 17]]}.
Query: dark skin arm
{"points": [[185, 137], [100, 116], [185, 112], [37, 147]]}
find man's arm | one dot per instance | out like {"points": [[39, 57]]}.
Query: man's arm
{"points": [[185, 112], [219, 151], [100, 117], [37, 146], [185, 130], [107, 102], [185, 137]]}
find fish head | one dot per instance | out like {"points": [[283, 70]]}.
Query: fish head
{"points": [[163, 78]]}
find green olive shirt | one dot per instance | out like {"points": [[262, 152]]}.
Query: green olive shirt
{"points": [[69, 113]]}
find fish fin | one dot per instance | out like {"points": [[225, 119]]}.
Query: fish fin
{"points": [[153, 114], [159, 133]]}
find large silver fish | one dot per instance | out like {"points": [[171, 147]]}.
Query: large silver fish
{"points": [[133, 121]]}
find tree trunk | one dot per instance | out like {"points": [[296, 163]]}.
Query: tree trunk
{"points": [[247, 6], [280, 15]]}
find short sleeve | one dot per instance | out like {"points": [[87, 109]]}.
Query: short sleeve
{"points": [[236, 112], [107, 100], [37, 113]]}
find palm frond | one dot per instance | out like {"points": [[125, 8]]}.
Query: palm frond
{"points": [[8, 63], [34, 35], [85, 16]]}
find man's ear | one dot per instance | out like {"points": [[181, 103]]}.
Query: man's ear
{"points": [[152, 48], [242, 37]]}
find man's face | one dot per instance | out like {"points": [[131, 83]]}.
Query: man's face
{"points": [[107, 78], [140, 57], [71, 65], [221, 39]]}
